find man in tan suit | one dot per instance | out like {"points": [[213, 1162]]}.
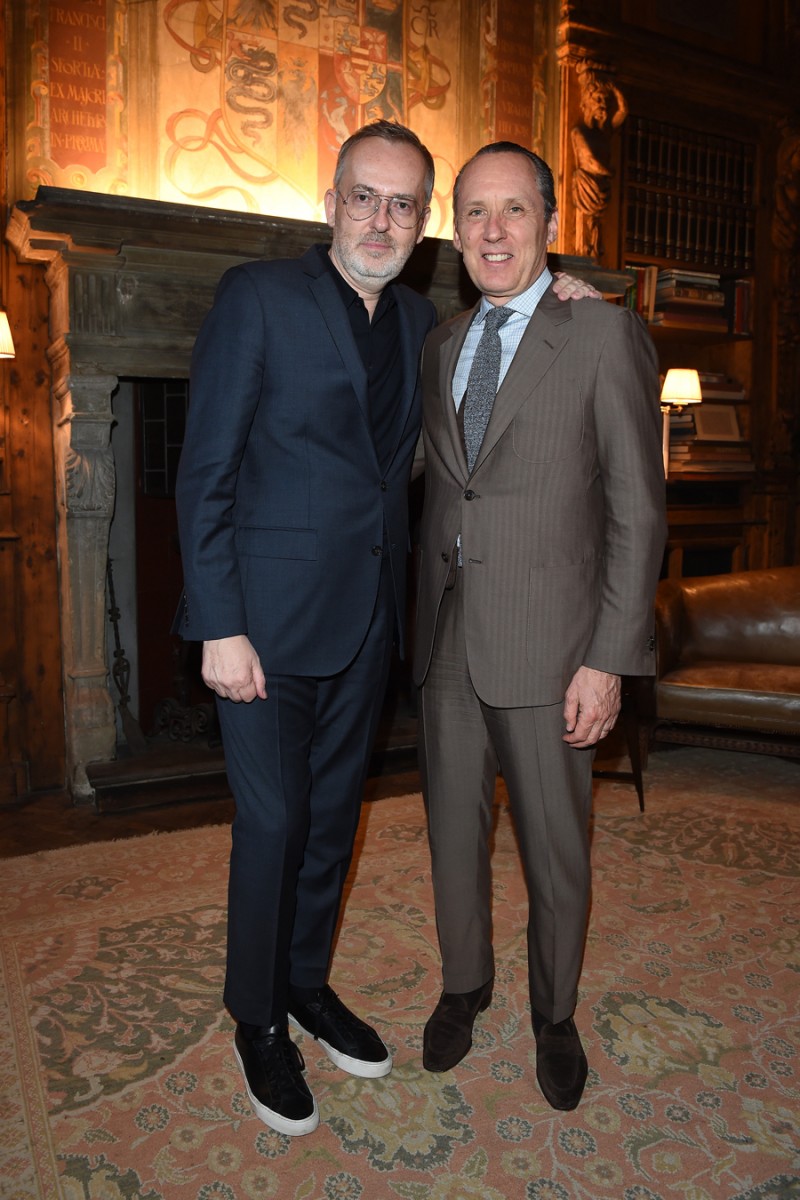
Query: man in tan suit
{"points": [[538, 571]]}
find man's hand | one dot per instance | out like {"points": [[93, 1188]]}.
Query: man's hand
{"points": [[591, 706], [232, 669], [566, 287]]}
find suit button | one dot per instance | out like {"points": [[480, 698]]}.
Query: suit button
{"points": [[384, 485], [445, 556], [469, 494], [377, 551]]}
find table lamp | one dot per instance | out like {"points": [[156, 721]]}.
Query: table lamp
{"points": [[681, 387]]}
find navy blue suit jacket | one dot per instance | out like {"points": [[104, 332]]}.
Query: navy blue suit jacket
{"points": [[282, 504]]}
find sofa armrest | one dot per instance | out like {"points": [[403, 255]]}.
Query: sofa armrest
{"points": [[669, 614]]}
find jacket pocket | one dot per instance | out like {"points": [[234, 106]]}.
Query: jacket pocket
{"points": [[561, 609], [550, 427]]}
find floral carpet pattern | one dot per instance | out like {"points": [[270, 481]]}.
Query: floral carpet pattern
{"points": [[117, 1078]]}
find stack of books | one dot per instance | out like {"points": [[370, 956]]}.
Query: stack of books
{"points": [[681, 435], [712, 458], [690, 300], [719, 448], [717, 386]]}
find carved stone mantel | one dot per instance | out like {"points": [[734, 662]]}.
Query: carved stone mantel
{"points": [[130, 281]]}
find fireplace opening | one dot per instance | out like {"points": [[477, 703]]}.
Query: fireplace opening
{"points": [[168, 741]]}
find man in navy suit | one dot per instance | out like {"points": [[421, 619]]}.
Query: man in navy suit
{"points": [[292, 504]]}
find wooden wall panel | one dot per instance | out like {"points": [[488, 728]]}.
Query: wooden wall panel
{"points": [[40, 719]]}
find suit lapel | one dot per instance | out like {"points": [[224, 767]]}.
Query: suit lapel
{"points": [[323, 289], [410, 345], [544, 339], [448, 360]]}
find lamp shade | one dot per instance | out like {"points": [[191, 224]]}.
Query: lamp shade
{"points": [[6, 340], [681, 386]]}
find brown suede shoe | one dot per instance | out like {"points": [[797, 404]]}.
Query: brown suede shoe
{"points": [[561, 1066], [448, 1033]]}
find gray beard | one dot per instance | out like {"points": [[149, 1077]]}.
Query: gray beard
{"points": [[363, 267]]}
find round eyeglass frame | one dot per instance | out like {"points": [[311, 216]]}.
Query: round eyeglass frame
{"points": [[390, 201]]}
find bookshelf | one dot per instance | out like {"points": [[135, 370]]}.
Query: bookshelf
{"points": [[690, 300], [712, 467], [688, 241], [690, 196]]}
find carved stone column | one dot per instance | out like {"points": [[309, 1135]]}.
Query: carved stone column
{"points": [[85, 483]]}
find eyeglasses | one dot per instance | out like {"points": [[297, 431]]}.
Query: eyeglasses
{"points": [[361, 204]]}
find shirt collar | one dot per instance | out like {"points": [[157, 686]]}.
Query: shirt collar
{"points": [[524, 303]]}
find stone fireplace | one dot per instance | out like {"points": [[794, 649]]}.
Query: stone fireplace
{"points": [[129, 281]]}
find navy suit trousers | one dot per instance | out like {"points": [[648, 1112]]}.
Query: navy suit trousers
{"points": [[297, 764]]}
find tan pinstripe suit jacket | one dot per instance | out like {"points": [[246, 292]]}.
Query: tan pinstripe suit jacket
{"points": [[562, 520]]}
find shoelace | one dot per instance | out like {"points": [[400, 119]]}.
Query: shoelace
{"points": [[284, 1063], [331, 1006]]}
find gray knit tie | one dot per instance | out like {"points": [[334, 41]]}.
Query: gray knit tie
{"points": [[482, 384]]}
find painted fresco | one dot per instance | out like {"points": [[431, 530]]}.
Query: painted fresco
{"points": [[75, 132], [277, 87], [243, 104]]}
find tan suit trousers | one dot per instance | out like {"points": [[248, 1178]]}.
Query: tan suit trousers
{"points": [[549, 786]]}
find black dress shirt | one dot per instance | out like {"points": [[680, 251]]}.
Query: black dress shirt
{"points": [[378, 344]]}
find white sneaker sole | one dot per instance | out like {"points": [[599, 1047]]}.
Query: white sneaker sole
{"points": [[273, 1119], [354, 1066]]}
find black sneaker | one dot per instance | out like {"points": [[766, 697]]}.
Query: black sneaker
{"points": [[272, 1067], [346, 1039]]}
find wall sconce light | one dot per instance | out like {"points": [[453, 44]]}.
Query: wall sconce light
{"points": [[681, 387], [6, 340]]}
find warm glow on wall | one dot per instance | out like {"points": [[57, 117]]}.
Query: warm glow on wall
{"points": [[243, 106]]}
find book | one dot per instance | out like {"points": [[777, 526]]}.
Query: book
{"points": [[715, 385], [680, 294], [641, 294], [738, 452], [739, 296], [710, 467], [687, 308], [709, 322], [678, 277], [718, 393]]}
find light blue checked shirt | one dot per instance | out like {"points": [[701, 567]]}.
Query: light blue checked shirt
{"points": [[522, 309]]}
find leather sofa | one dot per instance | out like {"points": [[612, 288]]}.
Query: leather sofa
{"points": [[728, 662]]}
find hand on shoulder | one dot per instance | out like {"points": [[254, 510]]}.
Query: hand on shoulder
{"points": [[567, 287]]}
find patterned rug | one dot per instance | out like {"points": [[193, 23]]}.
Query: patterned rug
{"points": [[117, 1077]]}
